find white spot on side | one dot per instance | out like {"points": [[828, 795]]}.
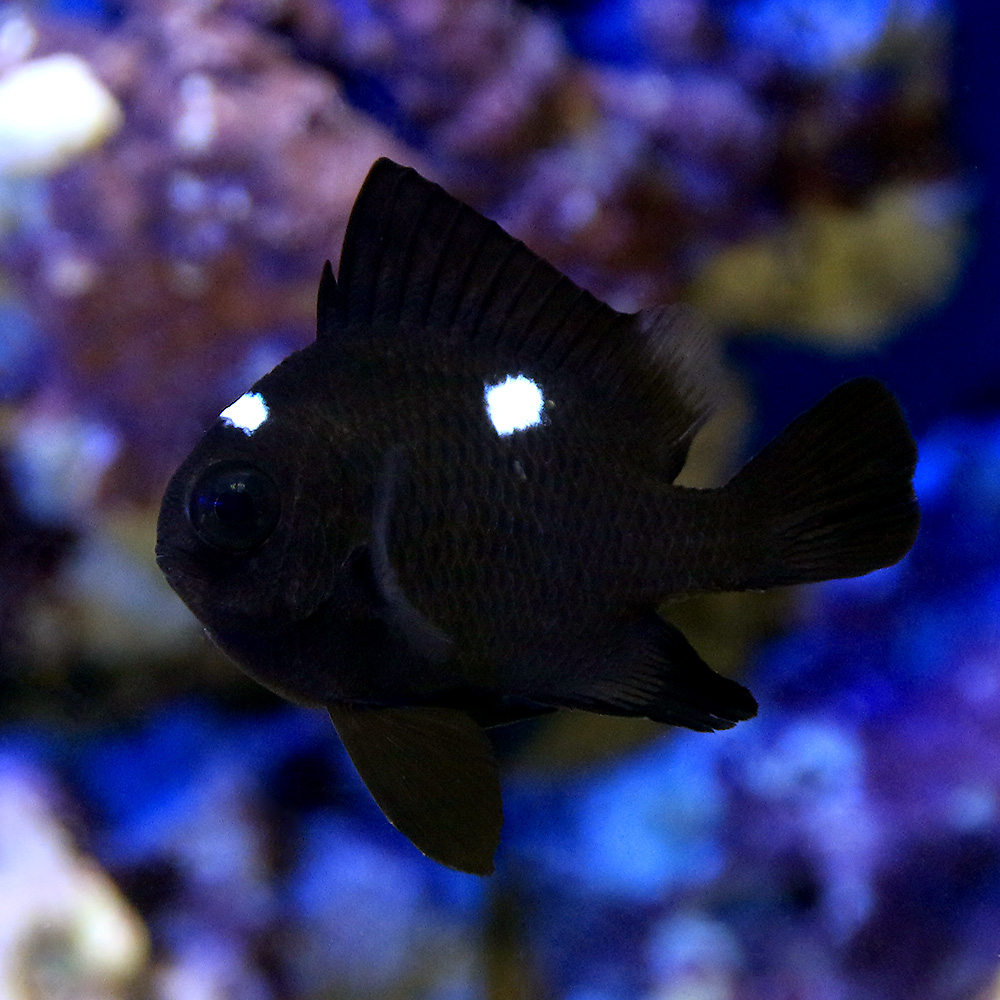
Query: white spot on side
{"points": [[247, 413], [514, 404]]}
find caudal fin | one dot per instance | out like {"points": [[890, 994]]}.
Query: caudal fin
{"points": [[831, 496]]}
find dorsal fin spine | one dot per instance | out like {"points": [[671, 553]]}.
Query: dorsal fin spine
{"points": [[470, 264], [360, 311], [552, 337], [570, 350], [326, 303], [456, 217], [401, 274], [382, 244], [528, 329], [515, 299], [584, 353], [487, 297]]}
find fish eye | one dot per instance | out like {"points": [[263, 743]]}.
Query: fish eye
{"points": [[234, 506]]}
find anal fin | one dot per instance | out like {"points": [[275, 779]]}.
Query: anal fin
{"points": [[433, 773], [645, 667]]}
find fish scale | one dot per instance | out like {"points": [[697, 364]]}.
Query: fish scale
{"points": [[364, 531]]}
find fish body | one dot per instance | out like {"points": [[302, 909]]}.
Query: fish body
{"points": [[456, 508]]}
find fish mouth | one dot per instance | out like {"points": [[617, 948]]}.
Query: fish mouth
{"points": [[201, 587]]}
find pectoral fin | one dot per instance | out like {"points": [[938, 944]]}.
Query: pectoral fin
{"points": [[433, 773], [423, 636]]}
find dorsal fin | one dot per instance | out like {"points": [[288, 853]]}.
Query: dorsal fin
{"points": [[415, 257]]}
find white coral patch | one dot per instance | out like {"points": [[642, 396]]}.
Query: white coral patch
{"points": [[50, 891]]}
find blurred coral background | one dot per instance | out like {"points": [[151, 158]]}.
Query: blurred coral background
{"points": [[820, 179]]}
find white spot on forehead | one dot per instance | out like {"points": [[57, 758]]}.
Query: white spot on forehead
{"points": [[247, 413], [514, 404]]}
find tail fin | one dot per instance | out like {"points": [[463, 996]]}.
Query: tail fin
{"points": [[832, 495]]}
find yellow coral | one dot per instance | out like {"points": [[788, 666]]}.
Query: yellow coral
{"points": [[845, 276], [51, 111]]}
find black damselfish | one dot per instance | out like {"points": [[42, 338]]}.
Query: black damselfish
{"points": [[455, 509]]}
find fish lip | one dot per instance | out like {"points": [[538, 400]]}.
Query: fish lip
{"points": [[177, 562], [182, 560]]}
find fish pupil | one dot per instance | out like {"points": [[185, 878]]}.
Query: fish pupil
{"points": [[234, 506]]}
